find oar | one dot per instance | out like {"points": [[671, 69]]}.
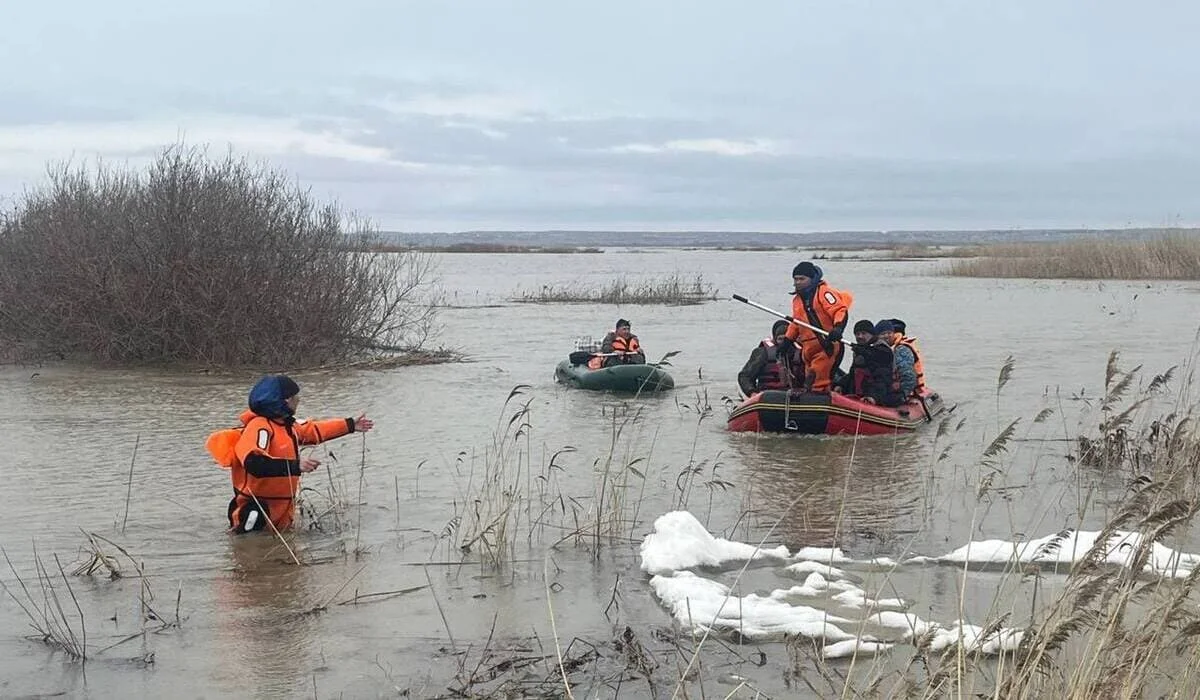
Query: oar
{"points": [[744, 300]]}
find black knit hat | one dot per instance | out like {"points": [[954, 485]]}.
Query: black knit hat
{"points": [[621, 322], [805, 268], [779, 327], [900, 326], [864, 326]]}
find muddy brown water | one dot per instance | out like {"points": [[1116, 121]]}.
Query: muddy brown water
{"points": [[255, 625]]}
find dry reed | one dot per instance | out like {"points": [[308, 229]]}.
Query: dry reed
{"points": [[1174, 257], [673, 289]]}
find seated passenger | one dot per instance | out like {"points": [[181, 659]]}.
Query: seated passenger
{"points": [[908, 376], [768, 367], [871, 370], [620, 347]]}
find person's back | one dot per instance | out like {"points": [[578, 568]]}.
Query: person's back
{"points": [[772, 365]]}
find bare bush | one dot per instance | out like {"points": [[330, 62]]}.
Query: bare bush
{"points": [[199, 260]]}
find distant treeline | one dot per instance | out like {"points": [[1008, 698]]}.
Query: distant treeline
{"points": [[384, 247], [758, 240]]}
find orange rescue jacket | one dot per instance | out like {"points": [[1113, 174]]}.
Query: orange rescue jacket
{"points": [[268, 452], [618, 345], [918, 366], [829, 307]]}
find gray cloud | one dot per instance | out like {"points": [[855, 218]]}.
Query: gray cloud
{"points": [[784, 114]]}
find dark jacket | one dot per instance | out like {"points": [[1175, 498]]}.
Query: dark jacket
{"points": [[758, 370], [870, 373]]}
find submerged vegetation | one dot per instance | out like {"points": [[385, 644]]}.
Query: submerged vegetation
{"points": [[673, 289], [1165, 258], [200, 261]]}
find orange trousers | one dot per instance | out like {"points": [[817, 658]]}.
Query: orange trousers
{"points": [[819, 365]]}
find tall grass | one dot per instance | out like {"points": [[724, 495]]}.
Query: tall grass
{"points": [[1167, 258], [673, 289], [512, 499]]}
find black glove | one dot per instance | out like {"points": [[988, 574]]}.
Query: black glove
{"points": [[786, 346], [835, 334]]}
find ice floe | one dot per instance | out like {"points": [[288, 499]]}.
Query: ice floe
{"points": [[680, 542], [830, 605]]}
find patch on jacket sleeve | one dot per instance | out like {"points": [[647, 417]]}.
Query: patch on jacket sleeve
{"points": [[830, 297], [264, 438]]}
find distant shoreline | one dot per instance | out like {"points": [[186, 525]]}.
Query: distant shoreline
{"points": [[573, 241]]}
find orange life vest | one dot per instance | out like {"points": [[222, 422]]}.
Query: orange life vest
{"points": [[619, 344], [828, 307], [274, 444], [918, 366]]}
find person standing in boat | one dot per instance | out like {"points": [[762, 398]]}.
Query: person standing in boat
{"points": [[818, 304], [871, 366], [624, 346], [769, 367]]}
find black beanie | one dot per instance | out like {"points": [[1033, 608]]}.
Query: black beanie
{"points": [[864, 326], [900, 327], [805, 268], [779, 327], [621, 322]]}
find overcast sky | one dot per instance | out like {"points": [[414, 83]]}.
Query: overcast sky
{"points": [[768, 115]]}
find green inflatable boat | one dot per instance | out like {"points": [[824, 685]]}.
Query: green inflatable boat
{"points": [[623, 378]]}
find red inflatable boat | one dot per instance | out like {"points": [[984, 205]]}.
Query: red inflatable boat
{"points": [[779, 411]]}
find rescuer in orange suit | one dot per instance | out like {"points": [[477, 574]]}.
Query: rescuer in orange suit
{"points": [[818, 304], [267, 464]]}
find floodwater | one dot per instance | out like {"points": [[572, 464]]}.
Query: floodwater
{"points": [[237, 618]]}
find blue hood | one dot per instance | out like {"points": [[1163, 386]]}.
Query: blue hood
{"points": [[269, 396]]}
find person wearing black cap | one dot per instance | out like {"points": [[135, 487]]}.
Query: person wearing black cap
{"points": [[910, 370], [818, 304], [265, 463], [768, 367], [622, 342], [870, 373]]}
